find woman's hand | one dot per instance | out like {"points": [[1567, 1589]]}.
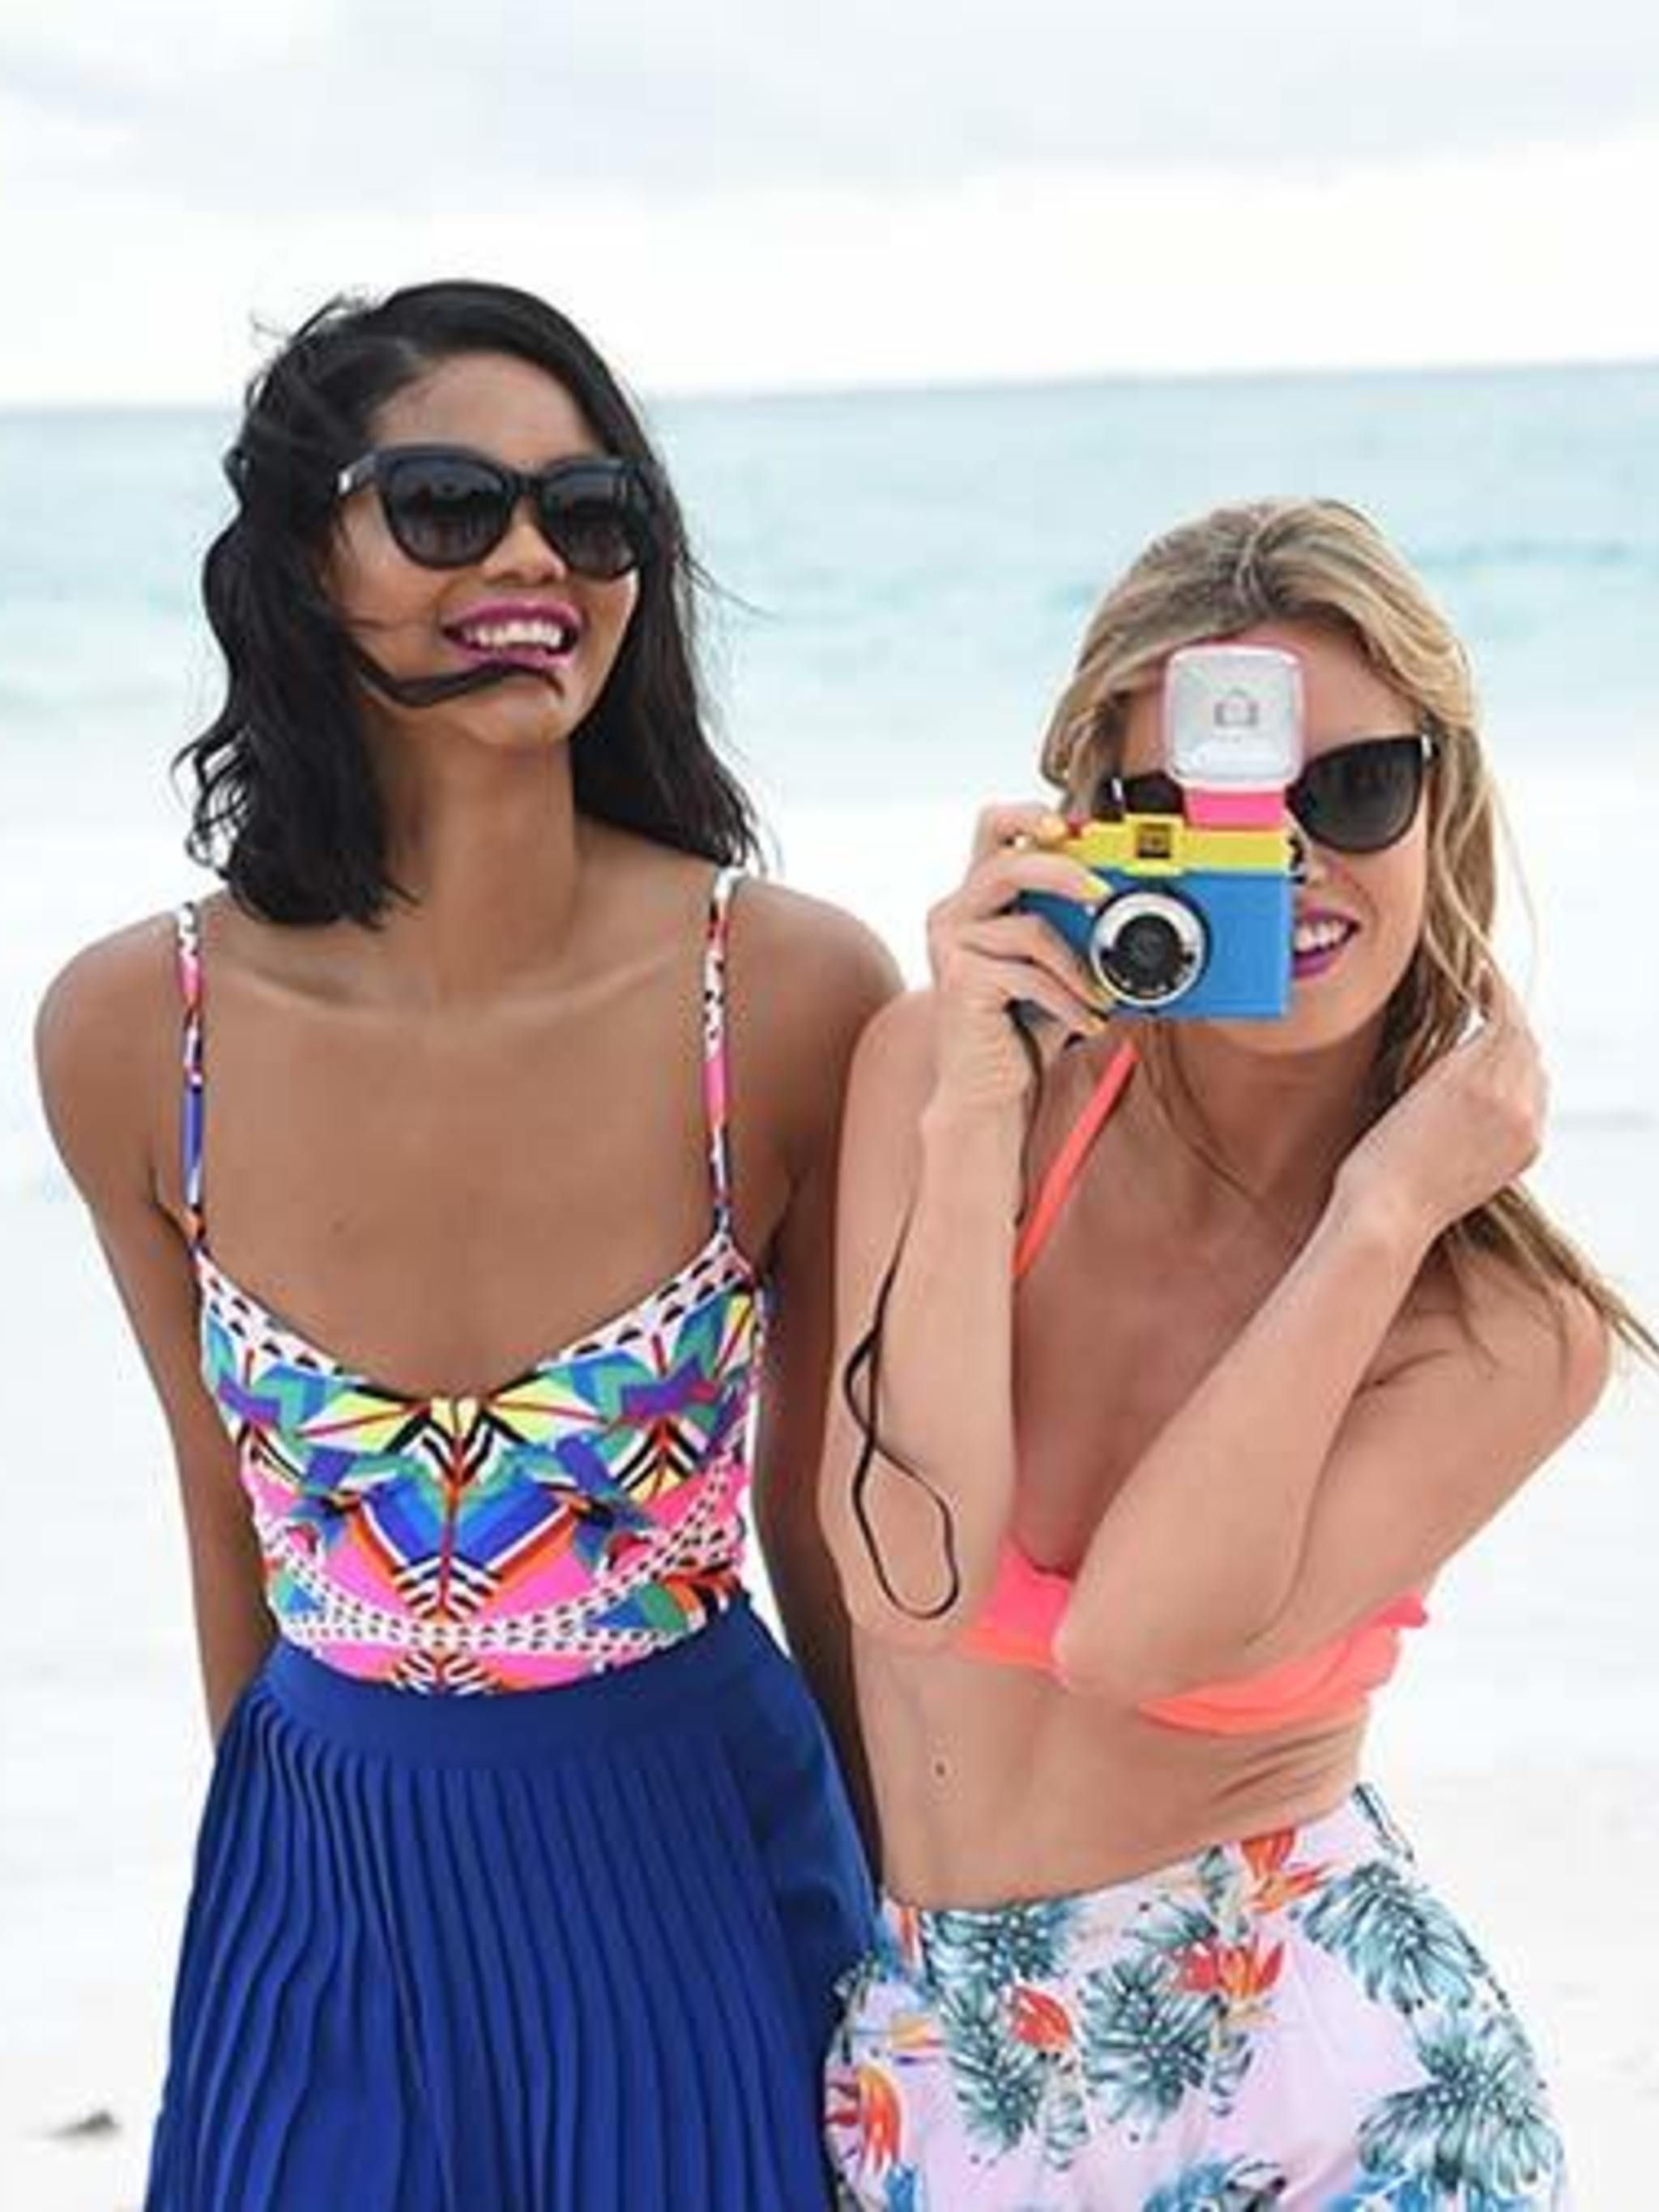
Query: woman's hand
{"points": [[986, 959], [1469, 1126]]}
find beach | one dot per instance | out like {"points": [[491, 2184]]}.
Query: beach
{"points": [[1519, 1746]]}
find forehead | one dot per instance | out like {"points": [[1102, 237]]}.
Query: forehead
{"points": [[504, 406], [1343, 695]]}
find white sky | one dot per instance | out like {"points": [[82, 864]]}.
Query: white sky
{"points": [[778, 193]]}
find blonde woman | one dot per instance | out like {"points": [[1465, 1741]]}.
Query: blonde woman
{"points": [[1176, 1365]]}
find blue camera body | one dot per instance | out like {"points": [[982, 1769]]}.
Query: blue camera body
{"points": [[1197, 906], [1192, 925]]}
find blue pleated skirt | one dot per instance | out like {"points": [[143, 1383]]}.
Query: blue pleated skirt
{"points": [[562, 1950]]}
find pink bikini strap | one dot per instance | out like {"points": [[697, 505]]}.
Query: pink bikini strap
{"points": [[1063, 1168]]}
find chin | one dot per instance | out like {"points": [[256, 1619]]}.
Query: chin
{"points": [[515, 717]]}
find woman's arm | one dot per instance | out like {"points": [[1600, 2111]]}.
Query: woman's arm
{"points": [[1288, 1498], [108, 1093], [939, 1188], [931, 1161], [835, 975]]}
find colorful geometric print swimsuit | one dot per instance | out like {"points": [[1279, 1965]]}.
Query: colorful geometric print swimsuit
{"points": [[585, 1514]]}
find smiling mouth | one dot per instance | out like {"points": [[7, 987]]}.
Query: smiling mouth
{"points": [[541, 643], [1318, 942]]}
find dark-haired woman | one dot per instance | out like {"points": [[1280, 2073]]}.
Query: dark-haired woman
{"points": [[450, 1165]]}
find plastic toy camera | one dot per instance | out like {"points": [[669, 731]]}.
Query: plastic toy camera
{"points": [[1195, 916]]}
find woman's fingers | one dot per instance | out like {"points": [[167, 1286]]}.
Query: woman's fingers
{"points": [[998, 986], [995, 882], [1472, 1121], [1500, 1005], [1006, 820], [990, 956], [1028, 939]]}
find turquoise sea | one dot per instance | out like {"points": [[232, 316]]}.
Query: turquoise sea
{"points": [[909, 571], [902, 580]]}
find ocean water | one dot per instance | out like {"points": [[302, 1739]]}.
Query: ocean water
{"points": [[903, 580]]}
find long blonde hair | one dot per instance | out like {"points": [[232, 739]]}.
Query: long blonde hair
{"points": [[1321, 561]]}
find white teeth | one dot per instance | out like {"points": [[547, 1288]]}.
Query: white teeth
{"points": [[1321, 936], [545, 636]]}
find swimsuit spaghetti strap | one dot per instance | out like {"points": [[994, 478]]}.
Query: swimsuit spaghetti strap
{"points": [[715, 1087], [187, 925], [1063, 1168]]}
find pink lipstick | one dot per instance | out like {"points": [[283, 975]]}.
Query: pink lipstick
{"points": [[536, 635]]}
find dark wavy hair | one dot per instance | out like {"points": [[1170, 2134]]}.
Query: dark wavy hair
{"points": [[287, 809]]}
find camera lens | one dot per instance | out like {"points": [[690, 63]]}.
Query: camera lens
{"points": [[1148, 953], [1148, 948]]}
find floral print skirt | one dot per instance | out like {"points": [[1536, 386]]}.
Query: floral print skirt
{"points": [[1293, 2021]]}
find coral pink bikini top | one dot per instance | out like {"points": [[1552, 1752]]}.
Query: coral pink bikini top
{"points": [[1018, 1623]]}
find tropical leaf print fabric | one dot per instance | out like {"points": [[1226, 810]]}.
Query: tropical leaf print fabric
{"points": [[1292, 2022]]}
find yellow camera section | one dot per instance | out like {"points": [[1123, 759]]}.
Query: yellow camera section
{"points": [[1167, 845]]}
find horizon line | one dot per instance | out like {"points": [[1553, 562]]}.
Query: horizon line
{"points": [[946, 385]]}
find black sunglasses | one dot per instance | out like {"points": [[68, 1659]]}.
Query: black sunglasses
{"points": [[1360, 798], [447, 506]]}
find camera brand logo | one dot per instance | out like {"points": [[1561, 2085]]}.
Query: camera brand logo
{"points": [[1236, 710]]}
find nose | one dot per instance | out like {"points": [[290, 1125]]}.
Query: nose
{"points": [[1306, 863], [525, 549]]}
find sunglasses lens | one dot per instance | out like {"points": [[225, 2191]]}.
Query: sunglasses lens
{"points": [[592, 514], [1152, 794], [445, 512], [1360, 798]]}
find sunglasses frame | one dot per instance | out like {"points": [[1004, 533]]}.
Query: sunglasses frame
{"points": [[624, 482], [1425, 740]]}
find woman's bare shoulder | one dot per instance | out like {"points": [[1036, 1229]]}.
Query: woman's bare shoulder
{"points": [[816, 944], [104, 1000], [807, 975], [107, 1025]]}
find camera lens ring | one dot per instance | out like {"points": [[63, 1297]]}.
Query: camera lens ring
{"points": [[1148, 948]]}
